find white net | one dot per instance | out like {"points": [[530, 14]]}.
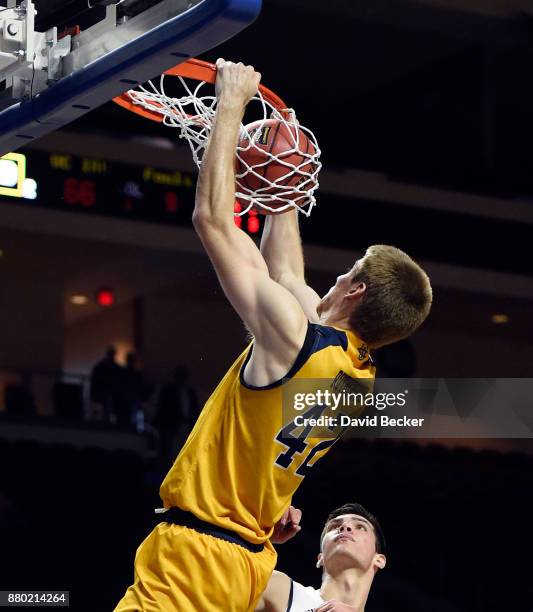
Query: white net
{"points": [[267, 179]]}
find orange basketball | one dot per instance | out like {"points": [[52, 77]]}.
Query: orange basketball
{"points": [[292, 149]]}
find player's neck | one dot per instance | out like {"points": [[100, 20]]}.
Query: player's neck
{"points": [[342, 325], [349, 586], [331, 320]]}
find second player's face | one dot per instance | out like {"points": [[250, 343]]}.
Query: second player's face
{"points": [[349, 541]]}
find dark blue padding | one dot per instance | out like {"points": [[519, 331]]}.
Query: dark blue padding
{"points": [[329, 336], [206, 25], [317, 338]]}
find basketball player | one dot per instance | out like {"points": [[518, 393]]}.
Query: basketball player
{"points": [[352, 550], [235, 475]]}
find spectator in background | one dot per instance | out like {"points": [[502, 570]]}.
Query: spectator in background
{"points": [[130, 410], [176, 414], [106, 380]]}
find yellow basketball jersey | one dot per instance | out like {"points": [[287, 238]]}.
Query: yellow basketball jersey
{"points": [[236, 469]]}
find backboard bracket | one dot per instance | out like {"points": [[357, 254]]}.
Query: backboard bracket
{"points": [[94, 66]]}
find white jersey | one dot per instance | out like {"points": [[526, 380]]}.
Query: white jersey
{"points": [[303, 599]]}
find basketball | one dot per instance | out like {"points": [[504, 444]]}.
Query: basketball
{"points": [[277, 151]]}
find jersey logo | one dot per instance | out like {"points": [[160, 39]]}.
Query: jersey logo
{"points": [[363, 352]]}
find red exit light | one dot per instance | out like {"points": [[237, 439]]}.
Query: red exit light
{"points": [[105, 297]]}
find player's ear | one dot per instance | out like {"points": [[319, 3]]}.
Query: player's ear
{"points": [[319, 560], [356, 291], [380, 561]]}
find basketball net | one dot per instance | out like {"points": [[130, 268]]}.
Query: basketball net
{"points": [[193, 115]]}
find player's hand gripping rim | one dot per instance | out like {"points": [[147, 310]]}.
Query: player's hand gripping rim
{"points": [[236, 83]]}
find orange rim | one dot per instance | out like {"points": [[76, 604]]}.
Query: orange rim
{"points": [[200, 71]]}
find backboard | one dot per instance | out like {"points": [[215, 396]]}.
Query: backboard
{"points": [[95, 50]]}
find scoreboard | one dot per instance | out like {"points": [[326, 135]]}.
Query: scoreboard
{"points": [[98, 186]]}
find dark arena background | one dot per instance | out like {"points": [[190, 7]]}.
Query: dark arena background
{"points": [[424, 112]]}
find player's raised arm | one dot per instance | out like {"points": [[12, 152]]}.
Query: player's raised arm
{"points": [[281, 247], [271, 313], [236, 84]]}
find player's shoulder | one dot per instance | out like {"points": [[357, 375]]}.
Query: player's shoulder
{"points": [[280, 579], [276, 594]]}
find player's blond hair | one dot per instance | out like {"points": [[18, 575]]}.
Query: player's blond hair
{"points": [[397, 299]]}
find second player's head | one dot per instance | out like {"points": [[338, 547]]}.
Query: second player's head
{"points": [[383, 298], [352, 538]]}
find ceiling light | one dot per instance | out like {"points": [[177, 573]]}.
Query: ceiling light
{"points": [[500, 319]]}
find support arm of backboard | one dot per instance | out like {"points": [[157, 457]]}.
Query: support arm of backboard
{"points": [[202, 27]]}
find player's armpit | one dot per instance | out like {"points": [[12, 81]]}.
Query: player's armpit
{"points": [[276, 595], [307, 297]]}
